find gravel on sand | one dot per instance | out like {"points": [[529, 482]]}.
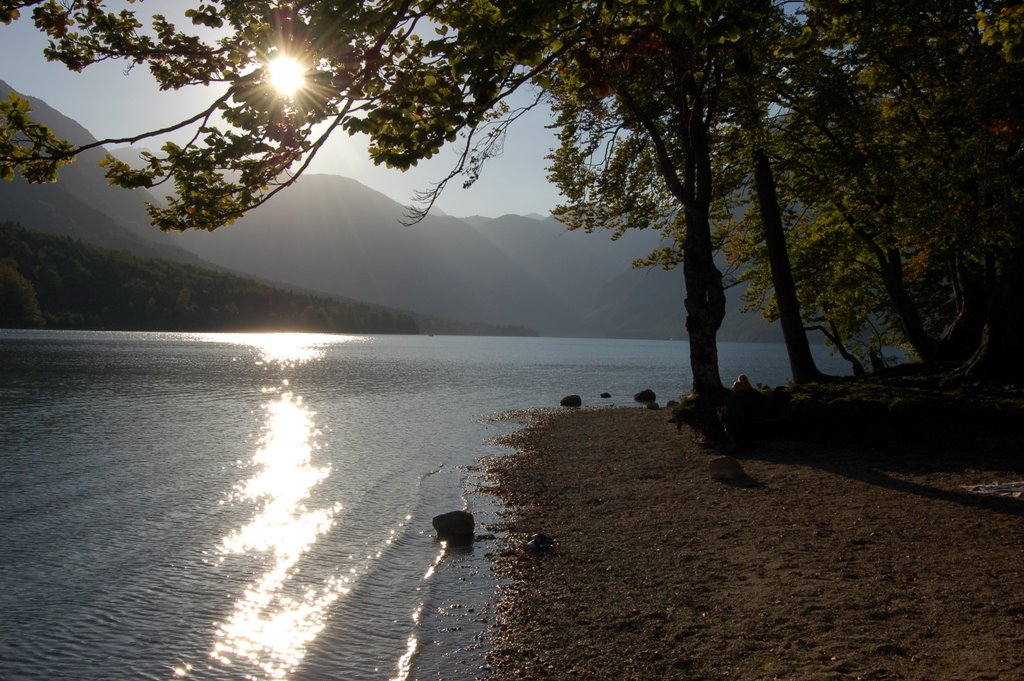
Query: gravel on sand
{"points": [[830, 562]]}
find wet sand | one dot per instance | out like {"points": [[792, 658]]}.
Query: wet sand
{"points": [[835, 563]]}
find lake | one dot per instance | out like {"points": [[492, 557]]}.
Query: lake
{"points": [[258, 506]]}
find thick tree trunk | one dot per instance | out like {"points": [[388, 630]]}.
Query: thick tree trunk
{"points": [[962, 339], [924, 345], [801, 362], [688, 176], [705, 294], [705, 307], [1000, 355]]}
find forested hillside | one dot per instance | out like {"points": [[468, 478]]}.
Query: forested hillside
{"points": [[58, 282]]}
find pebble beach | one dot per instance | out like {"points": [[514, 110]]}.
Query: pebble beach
{"points": [[827, 562]]}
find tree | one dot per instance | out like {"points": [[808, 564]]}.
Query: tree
{"points": [[908, 165], [395, 69], [881, 137], [638, 107], [757, 67], [19, 306]]}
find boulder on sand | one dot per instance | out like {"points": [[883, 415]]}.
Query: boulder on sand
{"points": [[726, 469], [455, 526]]}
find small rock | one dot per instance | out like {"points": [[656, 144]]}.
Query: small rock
{"points": [[538, 543], [456, 527], [605, 395], [572, 401], [726, 469], [645, 395], [742, 383]]}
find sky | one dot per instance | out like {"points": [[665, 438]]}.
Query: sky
{"points": [[110, 103]]}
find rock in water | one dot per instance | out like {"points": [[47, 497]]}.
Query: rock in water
{"points": [[606, 395], [572, 401], [645, 395], [455, 526], [726, 469]]}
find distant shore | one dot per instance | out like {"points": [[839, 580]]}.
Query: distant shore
{"points": [[836, 563]]}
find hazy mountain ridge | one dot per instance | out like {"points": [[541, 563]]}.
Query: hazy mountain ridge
{"points": [[512, 269], [332, 234]]}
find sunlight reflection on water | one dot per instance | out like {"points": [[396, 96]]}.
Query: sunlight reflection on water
{"points": [[268, 627], [274, 621], [412, 645], [283, 349]]}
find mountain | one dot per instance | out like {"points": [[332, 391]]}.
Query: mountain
{"points": [[574, 263], [64, 283], [334, 235], [82, 204]]}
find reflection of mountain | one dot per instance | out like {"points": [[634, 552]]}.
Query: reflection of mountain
{"points": [[332, 234]]}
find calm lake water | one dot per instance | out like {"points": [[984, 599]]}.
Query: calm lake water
{"points": [[232, 506]]}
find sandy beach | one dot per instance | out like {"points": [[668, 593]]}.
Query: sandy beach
{"points": [[832, 563]]}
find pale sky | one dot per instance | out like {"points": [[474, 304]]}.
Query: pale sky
{"points": [[110, 103]]}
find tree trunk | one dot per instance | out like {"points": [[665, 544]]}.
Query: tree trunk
{"points": [[890, 267], [1000, 354], [692, 185], [705, 294], [801, 362], [832, 333], [962, 339], [705, 307], [924, 345]]}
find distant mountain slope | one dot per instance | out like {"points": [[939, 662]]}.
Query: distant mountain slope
{"points": [[82, 204], [648, 303], [574, 263], [334, 234], [81, 286], [57, 282]]}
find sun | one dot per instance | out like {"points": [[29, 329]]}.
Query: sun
{"points": [[286, 75]]}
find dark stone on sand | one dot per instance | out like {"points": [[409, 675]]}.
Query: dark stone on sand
{"points": [[572, 401], [726, 469], [645, 395], [455, 526], [538, 543]]}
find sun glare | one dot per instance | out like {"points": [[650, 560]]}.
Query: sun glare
{"points": [[286, 75]]}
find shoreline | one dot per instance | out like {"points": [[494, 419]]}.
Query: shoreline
{"points": [[836, 562]]}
